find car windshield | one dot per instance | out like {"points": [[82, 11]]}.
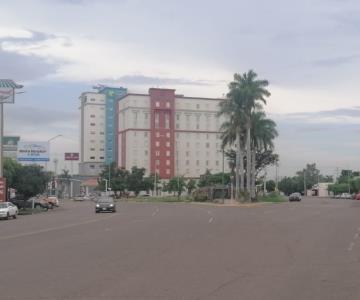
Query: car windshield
{"points": [[105, 200], [3, 205]]}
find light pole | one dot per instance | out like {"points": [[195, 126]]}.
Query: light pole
{"points": [[7, 95], [49, 140], [305, 182], [106, 184]]}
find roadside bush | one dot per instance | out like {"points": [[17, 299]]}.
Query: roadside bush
{"points": [[201, 195]]}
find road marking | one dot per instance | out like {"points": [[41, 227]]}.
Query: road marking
{"points": [[7, 237], [352, 244], [155, 212], [211, 219]]}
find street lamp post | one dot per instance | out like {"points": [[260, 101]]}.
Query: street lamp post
{"points": [[106, 184], [7, 95], [49, 140]]}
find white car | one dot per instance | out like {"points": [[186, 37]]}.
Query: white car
{"points": [[7, 210]]}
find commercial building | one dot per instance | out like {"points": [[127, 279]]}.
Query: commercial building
{"points": [[169, 134], [97, 133]]}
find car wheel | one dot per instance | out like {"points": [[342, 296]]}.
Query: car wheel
{"points": [[15, 215], [96, 212]]}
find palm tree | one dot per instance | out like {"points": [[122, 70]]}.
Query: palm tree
{"points": [[262, 135], [253, 92], [233, 131]]}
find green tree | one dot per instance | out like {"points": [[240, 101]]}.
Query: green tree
{"points": [[31, 180], [190, 186], [246, 93], [136, 181], [262, 135], [270, 186], [176, 184], [11, 168]]}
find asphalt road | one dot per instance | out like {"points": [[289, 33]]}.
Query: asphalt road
{"points": [[306, 250]]}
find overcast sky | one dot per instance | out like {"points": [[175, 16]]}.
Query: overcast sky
{"points": [[308, 50]]}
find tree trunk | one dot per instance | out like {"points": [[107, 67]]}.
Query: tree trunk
{"points": [[253, 177], [237, 167], [248, 160]]}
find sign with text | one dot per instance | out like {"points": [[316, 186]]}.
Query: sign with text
{"points": [[2, 189], [33, 151], [6, 95], [72, 156]]}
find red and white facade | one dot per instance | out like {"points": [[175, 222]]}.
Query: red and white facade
{"points": [[169, 134]]}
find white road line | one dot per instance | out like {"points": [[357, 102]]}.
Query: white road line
{"points": [[352, 244], [155, 212], [54, 228], [211, 219]]}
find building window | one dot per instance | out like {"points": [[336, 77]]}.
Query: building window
{"points": [[102, 149], [92, 149], [146, 153], [157, 162], [168, 171], [102, 132], [134, 133], [168, 162], [177, 126], [197, 126], [92, 167], [157, 104], [92, 132], [102, 108], [197, 162], [217, 162], [167, 144], [207, 162], [187, 162], [167, 153], [101, 157], [157, 118], [167, 121], [168, 134], [92, 116], [157, 144], [92, 99], [188, 144], [177, 117], [197, 106], [207, 136], [157, 134], [145, 134], [168, 104], [157, 153], [92, 124], [92, 157], [207, 145], [187, 153]]}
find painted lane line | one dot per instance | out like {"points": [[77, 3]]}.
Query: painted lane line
{"points": [[54, 228], [155, 212], [351, 246], [211, 219]]}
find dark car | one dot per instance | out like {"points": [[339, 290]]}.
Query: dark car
{"points": [[295, 197], [105, 203], [23, 204]]}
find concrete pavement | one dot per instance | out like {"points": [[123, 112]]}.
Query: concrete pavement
{"points": [[306, 250]]}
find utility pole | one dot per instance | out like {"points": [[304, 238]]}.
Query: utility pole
{"points": [[304, 183]]}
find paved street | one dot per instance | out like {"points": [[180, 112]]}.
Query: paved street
{"points": [[307, 250]]}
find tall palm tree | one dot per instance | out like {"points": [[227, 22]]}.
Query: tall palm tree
{"points": [[253, 92], [262, 136], [233, 131]]}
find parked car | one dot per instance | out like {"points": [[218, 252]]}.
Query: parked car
{"points": [[105, 203], [23, 204], [345, 196], [357, 196], [52, 201], [7, 210], [295, 197]]}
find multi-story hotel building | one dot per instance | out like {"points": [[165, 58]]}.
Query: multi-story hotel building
{"points": [[92, 133], [98, 129], [169, 134]]}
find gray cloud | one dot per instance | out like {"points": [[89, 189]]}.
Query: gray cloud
{"points": [[148, 80], [24, 67], [336, 61], [342, 112]]}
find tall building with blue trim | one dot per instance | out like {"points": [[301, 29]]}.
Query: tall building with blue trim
{"points": [[111, 96]]}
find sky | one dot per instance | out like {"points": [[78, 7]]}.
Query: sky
{"points": [[308, 50]]}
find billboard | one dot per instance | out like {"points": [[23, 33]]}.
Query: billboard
{"points": [[33, 151], [6, 95], [2, 189], [72, 156]]}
